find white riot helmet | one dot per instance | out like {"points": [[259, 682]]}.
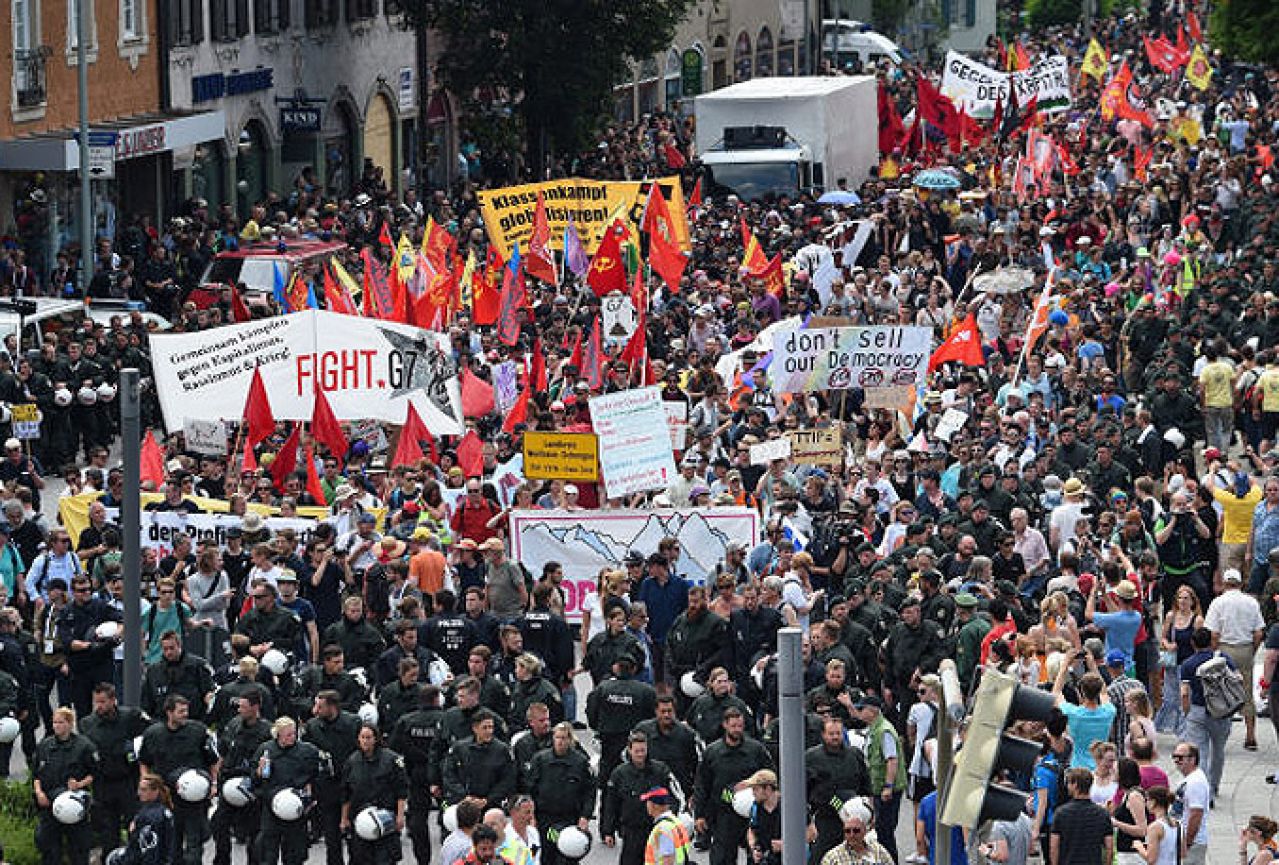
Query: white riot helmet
{"points": [[690, 686], [62, 396], [238, 792], [71, 807], [275, 661], [450, 818], [115, 857], [193, 786], [368, 714], [373, 823], [107, 631], [9, 730], [87, 395], [743, 802], [6, 413], [573, 843], [288, 805], [438, 672], [106, 392], [361, 676]]}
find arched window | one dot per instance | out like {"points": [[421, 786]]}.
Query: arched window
{"points": [[764, 53], [674, 63], [648, 76], [742, 57]]}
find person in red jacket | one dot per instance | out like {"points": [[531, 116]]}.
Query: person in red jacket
{"points": [[476, 517]]}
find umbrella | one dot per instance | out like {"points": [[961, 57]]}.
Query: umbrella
{"points": [[839, 196], [1005, 280], [935, 178]]}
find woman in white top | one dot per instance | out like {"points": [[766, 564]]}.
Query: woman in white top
{"points": [[1164, 843], [1105, 778], [611, 584]]}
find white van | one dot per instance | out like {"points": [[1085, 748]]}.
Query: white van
{"points": [[845, 41]]}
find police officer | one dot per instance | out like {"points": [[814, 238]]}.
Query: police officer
{"points": [[706, 714], [239, 743], [177, 672], [459, 718], [914, 644], [528, 742], [375, 776], [616, 707], [330, 675], [169, 748], [226, 700], [621, 810], [547, 635], [530, 687], [672, 742], [405, 646], [334, 732], [481, 767], [90, 660], [284, 763], [449, 633], [399, 697], [12, 705], [269, 625], [65, 760], [563, 789], [112, 728], [834, 773], [697, 642], [360, 641], [417, 737], [726, 764]]}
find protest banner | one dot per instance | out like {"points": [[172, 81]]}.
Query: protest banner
{"points": [[634, 441], [977, 88], [591, 204], [819, 447], [158, 528], [586, 542], [561, 456], [366, 367], [952, 420], [506, 385], [839, 358], [896, 396], [372, 434], [26, 420], [205, 436], [765, 452], [677, 421]]}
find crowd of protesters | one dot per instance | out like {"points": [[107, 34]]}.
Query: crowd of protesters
{"points": [[1103, 524]]}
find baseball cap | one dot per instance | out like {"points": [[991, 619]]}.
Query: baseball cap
{"points": [[1116, 658], [657, 794]]}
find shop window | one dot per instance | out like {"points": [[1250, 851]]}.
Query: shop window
{"points": [[270, 16], [185, 22]]}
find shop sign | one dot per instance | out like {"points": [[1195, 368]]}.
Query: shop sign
{"points": [[691, 72], [300, 119], [141, 141], [205, 88]]}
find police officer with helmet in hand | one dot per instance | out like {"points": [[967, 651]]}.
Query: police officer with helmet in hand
{"points": [[373, 776], [334, 732], [563, 788], [169, 749], [240, 740], [112, 728], [622, 811], [284, 764], [65, 762]]}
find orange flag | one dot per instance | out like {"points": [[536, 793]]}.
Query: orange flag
{"points": [[753, 259], [664, 254]]}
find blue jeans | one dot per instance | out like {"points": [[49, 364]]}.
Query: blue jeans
{"points": [[1258, 575]]}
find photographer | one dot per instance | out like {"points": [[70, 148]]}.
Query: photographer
{"points": [[1179, 534]]}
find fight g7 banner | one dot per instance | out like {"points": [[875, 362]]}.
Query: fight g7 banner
{"points": [[839, 358], [977, 88], [587, 542], [592, 204], [368, 369]]}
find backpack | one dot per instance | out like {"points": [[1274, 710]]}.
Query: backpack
{"points": [[1223, 687]]}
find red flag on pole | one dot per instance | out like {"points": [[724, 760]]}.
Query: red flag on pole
{"points": [[379, 301], [890, 122], [1192, 24], [313, 485], [486, 289], [695, 199], [540, 261], [963, 346], [470, 454], [257, 411], [537, 368], [519, 411], [384, 237], [152, 463], [477, 395], [325, 427], [409, 448], [513, 299], [608, 272], [239, 312], [664, 254], [937, 110], [286, 461], [249, 461], [593, 358], [575, 353]]}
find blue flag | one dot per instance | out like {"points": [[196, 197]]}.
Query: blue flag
{"points": [[575, 258], [278, 288]]}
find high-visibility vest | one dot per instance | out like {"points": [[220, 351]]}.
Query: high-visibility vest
{"points": [[668, 825]]}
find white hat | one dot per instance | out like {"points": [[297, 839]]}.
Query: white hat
{"points": [[570, 489], [12, 445]]}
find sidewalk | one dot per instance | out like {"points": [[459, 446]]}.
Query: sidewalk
{"points": [[1244, 790]]}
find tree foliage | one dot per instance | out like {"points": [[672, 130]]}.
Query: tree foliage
{"points": [[1051, 13], [1246, 29], [542, 70]]}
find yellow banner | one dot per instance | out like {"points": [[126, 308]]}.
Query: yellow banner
{"points": [[819, 447], [73, 511], [561, 456], [24, 412], [508, 212]]}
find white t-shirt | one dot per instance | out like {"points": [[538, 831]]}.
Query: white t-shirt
{"points": [[793, 594], [922, 716], [1193, 793], [1235, 616], [1063, 519], [591, 604]]}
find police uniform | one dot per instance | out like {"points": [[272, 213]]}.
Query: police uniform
{"points": [[336, 741], [613, 709], [486, 771], [723, 767], [238, 743], [315, 680], [832, 778], [396, 699], [294, 767], [12, 701], [190, 676], [524, 747], [697, 645], [417, 737], [115, 785], [706, 715], [57, 762], [534, 690], [677, 748], [563, 789], [168, 753], [621, 810], [361, 643], [380, 781]]}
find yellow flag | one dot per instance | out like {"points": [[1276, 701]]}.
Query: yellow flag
{"points": [[1094, 60], [405, 262], [468, 277], [345, 278], [1199, 70]]}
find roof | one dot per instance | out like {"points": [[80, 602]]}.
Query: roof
{"points": [[774, 88]]}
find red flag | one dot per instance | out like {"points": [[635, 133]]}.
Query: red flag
{"points": [[575, 353], [664, 254], [335, 297], [1161, 54], [239, 312], [674, 159], [257, 411], [970, 131], [1023, 59], [963, 346], [593, 358], [313, 477], [636, 346], [695, 200], [486, 289], [1141, 161], [1068, 165], [379, 302], [936, 109], [477, 395], [537, 367], [774, 279], [399, 295], [1116, 99], [325, 427], [1182, 47], [753, 257], [513, 299], [540, 261], [384, 237], [286, 461], [470, 454], [890, 122], [608, 270], [409, 448], [1192, 24], [298, 293], [152, 464], [519, 411], [248, 462]]}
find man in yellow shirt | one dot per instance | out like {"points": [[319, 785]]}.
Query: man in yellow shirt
{"points": [[1267, 398], [1238, 502], [1216, 390]]}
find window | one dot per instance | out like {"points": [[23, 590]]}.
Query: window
{"points": [[742, 57], [73, 30], [270, 16], [186, 22], [130, 26], [228, 19], [674, 66], [392, 7], [23, 25], [321, 13], [764, 53], [359, 10]]}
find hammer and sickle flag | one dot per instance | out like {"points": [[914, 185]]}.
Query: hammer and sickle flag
{"points": [[608, 271]]}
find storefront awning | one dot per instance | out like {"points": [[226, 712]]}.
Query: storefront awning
{"points": [[136, 137]]}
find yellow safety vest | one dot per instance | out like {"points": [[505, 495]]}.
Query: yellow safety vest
{"points": [[675, 829]]}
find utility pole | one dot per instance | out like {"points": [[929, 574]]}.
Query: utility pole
{"points": [[86, 185], [949, 716], [790, 686], [130, 519]]}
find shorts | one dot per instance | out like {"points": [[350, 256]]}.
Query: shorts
{"points": [[918, 787]]}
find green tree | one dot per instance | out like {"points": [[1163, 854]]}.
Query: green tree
{"points": [[542, 70], [1246, 29], [1051, 13]]}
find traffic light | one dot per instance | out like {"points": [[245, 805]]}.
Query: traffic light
{"points": [[971, 796]]}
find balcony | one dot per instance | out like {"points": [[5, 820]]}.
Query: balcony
{"points": [[29, 76]]}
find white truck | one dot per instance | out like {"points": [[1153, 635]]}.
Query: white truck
{"points": [[782, 136]]}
